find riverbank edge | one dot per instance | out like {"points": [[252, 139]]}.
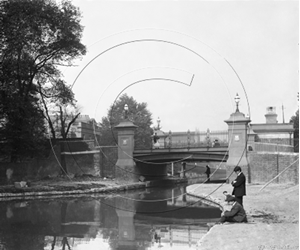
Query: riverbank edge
{"points": [[31, 193], [23, 193]]}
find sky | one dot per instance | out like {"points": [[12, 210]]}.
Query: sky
{"points": [[188, 59]]}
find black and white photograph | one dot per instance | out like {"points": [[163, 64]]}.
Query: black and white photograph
{"points": [[146, 124]]}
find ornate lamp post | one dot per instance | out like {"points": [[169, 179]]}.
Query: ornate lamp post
{"points": [[237, 100], [158, 123], [125, 111]]}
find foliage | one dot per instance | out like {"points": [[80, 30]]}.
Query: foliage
{"points": [[295, 120], [24, 141], [60, 118], [36, 38], [137, 113]]}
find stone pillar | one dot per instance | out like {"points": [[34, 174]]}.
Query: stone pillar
{"points": [[126, 227], [125, 167], [172, 169], [97, 167], [183, 169], [125, 209], [237, 139], [251, 139]]}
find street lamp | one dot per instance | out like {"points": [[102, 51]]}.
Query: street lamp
{"points": [[126, 111], [158, 123], [237, 100]]}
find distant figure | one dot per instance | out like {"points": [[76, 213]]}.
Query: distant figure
{"points": [[236, 213], [155, 140], [183, 170], [157, 237], [9, 173], [216, 143], [239, 185], [207, 172]]}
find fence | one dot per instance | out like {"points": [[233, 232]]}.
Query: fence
{"points": [[195, 139]]}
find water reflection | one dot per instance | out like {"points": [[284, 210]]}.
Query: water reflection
{"points": [[143, 219]]}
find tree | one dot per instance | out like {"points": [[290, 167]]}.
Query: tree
{"points": [[24, 141], [36, 38], [65, 119], [137, 113], [295, 120], [60, 110]]}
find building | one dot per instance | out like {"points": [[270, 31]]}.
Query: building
{"points": [[84, 127], [272, 131]]}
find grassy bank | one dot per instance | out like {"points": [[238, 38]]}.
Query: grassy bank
{"points": [[273, 215]]}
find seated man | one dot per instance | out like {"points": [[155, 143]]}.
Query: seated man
{"points": [[236, 214], [227, 195], [227, 205]]}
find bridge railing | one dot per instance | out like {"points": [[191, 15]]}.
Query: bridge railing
{"points": [[184, 146], [193, 145], [192, 139]]}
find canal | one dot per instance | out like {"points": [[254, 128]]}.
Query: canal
{"points": [[155, 218]]}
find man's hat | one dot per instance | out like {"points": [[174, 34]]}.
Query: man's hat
{"points": [[230, 198]]}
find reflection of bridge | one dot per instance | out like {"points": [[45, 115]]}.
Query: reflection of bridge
{"points": [[160, 155]]}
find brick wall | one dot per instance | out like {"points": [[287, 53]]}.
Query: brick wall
{"points": [[264, 166]]}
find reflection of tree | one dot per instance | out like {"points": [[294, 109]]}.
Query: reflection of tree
{"points": [[17, 236], [64, 243], [53, 243], [111, 235]]}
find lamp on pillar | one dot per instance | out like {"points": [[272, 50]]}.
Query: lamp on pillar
{"points": [[237, 100], [158, 123], [237, 139], [125, 111]]}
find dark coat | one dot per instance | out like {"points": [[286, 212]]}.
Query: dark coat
{"points": [[207, 170], [239, 187], [237, 213]]}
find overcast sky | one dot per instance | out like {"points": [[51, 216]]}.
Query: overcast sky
{"points": [[188, 59]]}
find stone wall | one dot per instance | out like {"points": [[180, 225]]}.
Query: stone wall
{"points": [[108, 159], [264, 166], [82, 164], [88, 163], [36, 168]]}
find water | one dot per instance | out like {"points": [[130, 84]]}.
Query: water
{"points": [[143, 219]]}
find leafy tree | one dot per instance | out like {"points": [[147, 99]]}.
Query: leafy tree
{"points": [[25, 141], [60, 110], [137, 113], [36, 38], [295, 120]]}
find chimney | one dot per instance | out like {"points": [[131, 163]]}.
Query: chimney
{"points": [[271, 116]]}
